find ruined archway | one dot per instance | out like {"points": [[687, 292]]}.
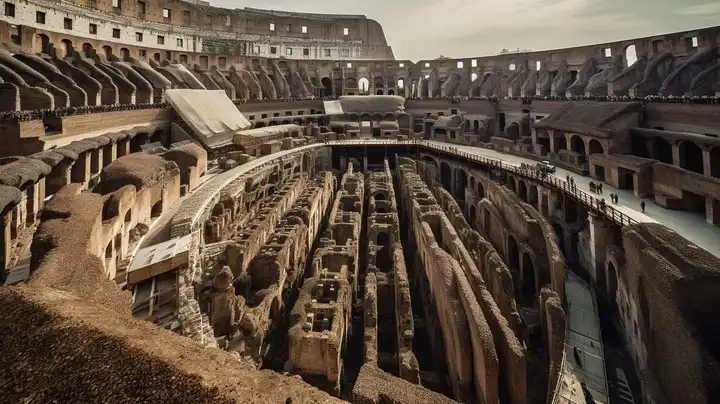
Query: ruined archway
{"points": [[66, 48], [107, 51], [662, 150], [595, 147], [715, 162], [577, 144], [559, 142], [461, 181], [379, 92], [87, 50], [391, 92], [529, 288], [446, 176], [691, 156], [44, 44], [327, 84], [363, 85], [630, 55], [124, 53], [522, 191], [511, 184]]}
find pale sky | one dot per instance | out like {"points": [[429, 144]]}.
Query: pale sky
{"points": [[426, 29]]}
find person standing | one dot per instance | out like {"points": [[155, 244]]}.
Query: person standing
{"points": [[642, 206]]}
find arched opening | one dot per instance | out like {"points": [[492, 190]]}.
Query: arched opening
{"points": [[511, 184], [430, 160], [379, 196], [611, 280], [87, 50], [156, 57], [559, 142], [156, 209], [44, 44], [473, 77], [691, 157], [479, 190], [577, 144], [124, 53], [560, 233], [391, 92], [529, 288], [630, 55], [107, 51], [383, 259], [522, 191], [512, 256], [363, 85], [662, 150], [533, 197], [715, 162], [573, 75], [401, 83], [128, 217], [595, 147], [327, 84], [446, 176], [379, 92], [472, 182], [379, 82], [460, 184], [66, 48], [425, 88]]}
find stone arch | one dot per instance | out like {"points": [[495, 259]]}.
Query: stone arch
{"points": [[479, 190], [156, 57], [630, 55], [124, 53], [461, 181], [391, 92], [533, 198], [691, 156], [472, 182], [446, 176], [577, 144], [715, 162], [66, 48], [107, 52], [45, 45], [401, 83], [350, 82], [473, 77], [363, 85], [430, 160], [529, 282], [379, 92], [662, 150], [327, 84], [389, 116], [377, 116], [87, 50], [511, 184], [522, 191], [595, 147], [365, 116], [559, 141]]}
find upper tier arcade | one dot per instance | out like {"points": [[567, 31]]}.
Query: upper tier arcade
{"points": [[180, 26]]}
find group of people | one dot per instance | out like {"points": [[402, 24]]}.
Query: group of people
{"points": [[19, 116]]}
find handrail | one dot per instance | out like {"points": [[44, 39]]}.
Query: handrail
{"points": [[594, 204]]}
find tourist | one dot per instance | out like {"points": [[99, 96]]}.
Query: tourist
{"points": [[642, 206]]}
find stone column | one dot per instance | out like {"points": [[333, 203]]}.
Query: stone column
{"points": [[707, 168], [676, 154], [601, 236]]}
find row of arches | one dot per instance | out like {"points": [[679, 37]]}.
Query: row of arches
{"points": [[690, 154], [67, 49]]}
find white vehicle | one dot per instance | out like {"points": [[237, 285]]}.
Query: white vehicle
{"points": [[546, 166]]}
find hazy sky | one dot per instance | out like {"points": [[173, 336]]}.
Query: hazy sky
{"points": [[426, 29]]}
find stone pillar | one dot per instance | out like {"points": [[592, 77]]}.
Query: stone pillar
{"points": [[707, 168], [712, 211], [676, 155], [602, 235]]}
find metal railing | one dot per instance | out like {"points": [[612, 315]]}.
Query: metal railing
{"points": [[594, 205]]}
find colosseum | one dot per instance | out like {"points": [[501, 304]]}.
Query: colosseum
{"points": [[209, 205]]}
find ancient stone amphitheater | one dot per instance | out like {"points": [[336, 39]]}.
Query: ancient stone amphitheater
{"points": [[203, 205]]}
